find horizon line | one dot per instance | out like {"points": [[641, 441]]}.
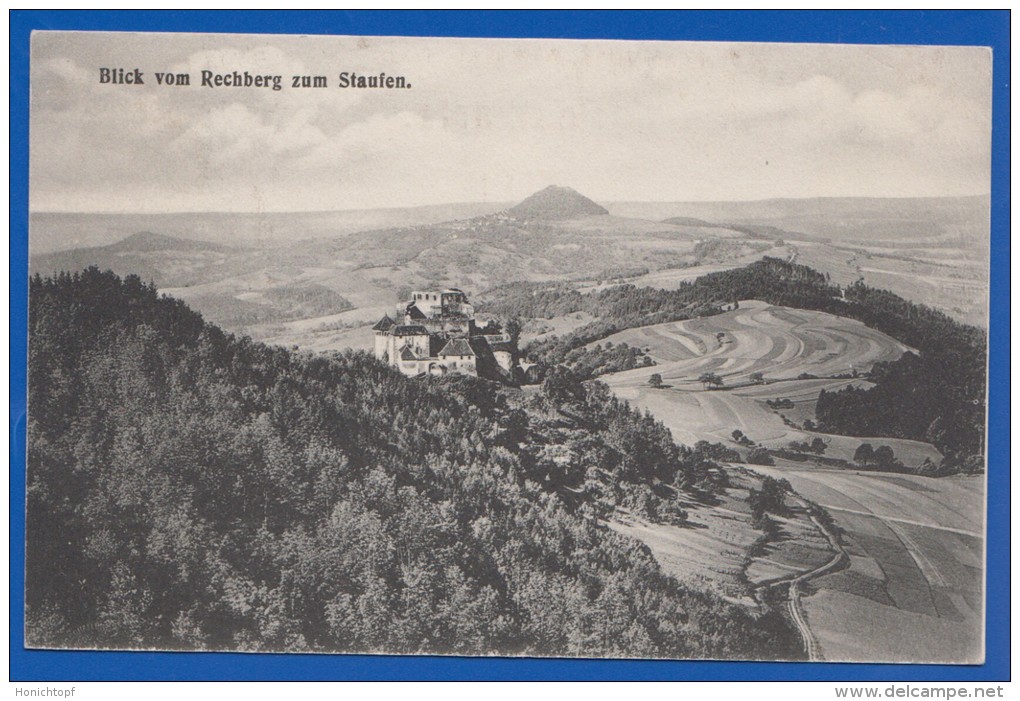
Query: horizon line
{"points": [[500, 202]]}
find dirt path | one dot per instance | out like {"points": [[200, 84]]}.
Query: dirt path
{"points": [[839, 559]]}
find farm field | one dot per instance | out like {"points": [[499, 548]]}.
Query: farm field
{"points": [[799, 547], [932, 251], [779, 342], [711, 547], [913, 591], [961, 293], [935, 270], [351, 329]]}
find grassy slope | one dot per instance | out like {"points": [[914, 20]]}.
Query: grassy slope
{"points": [[779, 342], [913, 590]]}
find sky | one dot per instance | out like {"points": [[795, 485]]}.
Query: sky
{"points": [[496, 119]]}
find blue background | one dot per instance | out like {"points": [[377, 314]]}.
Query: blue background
{"points": [[865, 27]]}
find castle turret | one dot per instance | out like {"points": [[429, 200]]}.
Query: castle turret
{"points": [[383, 338]]}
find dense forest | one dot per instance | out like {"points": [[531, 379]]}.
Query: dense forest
{"points": [[936, 395], [598, 359], [192, 490]]}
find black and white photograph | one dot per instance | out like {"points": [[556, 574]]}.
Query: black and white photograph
{"points": [[507, 347]]}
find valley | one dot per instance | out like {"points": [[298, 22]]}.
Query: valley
{"points": [[223, 264]]}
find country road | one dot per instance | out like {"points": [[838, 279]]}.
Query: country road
{"points": [[913, 590], [795, 580]]}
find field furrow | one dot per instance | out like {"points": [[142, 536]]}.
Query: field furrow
{"points": [[913, 588]]}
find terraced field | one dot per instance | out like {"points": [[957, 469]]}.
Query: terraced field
{"points": [[711, 547], [782, 344], [757, 337], [913, 590]]}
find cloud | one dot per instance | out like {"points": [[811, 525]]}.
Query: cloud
{"points": [[235, 134], [494, 120]]}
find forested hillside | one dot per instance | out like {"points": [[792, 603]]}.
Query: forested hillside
{"points": [[937, 396], [188, 489]]}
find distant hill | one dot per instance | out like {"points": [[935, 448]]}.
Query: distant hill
{"points": [[164, 260], [146, 242], [55, 231], [274, 304], [556, 203], [847, 220], [931, 251], [688, 221]]}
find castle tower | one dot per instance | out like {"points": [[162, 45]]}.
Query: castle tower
{"points": [[384, 339]]}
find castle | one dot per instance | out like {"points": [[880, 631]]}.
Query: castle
{"points": [[435, 333]]}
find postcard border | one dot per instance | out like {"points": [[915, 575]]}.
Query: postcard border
{"points": [[971, 28]]}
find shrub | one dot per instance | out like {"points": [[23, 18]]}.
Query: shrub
{"points": [[760, 456]]}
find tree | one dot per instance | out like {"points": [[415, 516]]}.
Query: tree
{"points": [[655, 380], [884, 456], [757, 377], [513, 329], [864, 454], [561, 385], [818, 446], [760, 456], [710, 379], [772, 491]]}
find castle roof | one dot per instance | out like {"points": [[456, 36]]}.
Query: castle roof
{"points": [[436, 343], [384, 324], [410, 330], [457, 346], [415, 313]]}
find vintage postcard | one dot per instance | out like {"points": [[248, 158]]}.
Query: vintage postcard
{"points": [[496, 347]]}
